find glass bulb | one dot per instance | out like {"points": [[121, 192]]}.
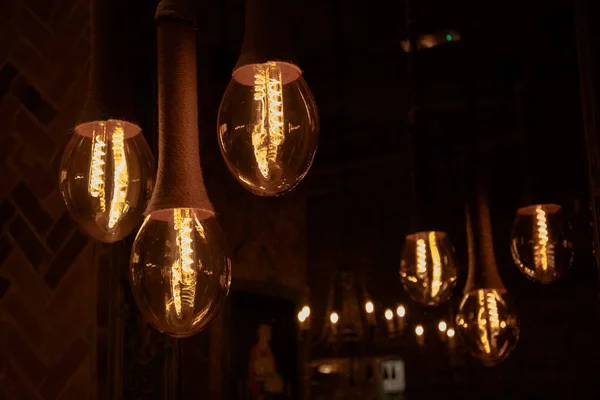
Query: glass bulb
{"points": [[106, 178], [369, 307], [179, 273], [428, 267], [541, 242], [268, 127], [389, 314], [487, 325]]}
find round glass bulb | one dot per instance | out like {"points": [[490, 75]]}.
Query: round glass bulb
{"points": [[369, 307], [401, 311], [487, 325], [541, 242], [268, 127], [442, 326], [388, 314], [106, 178], [306, 310], [179, 273], [428, 268], [334, 317], [419, 330]]}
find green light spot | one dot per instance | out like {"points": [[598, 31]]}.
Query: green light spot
{"points": [[449, 37]]}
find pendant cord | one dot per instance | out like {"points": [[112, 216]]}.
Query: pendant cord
{"points": [[413, 110]]}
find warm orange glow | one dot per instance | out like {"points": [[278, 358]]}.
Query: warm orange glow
{"points": [[419, 330], [389, 314], [421, 259], [442, 326], [436, 278], [450, 332], [183, 275], [369, 307], [334, 318], [267, 132], [401, 311], [118, 205], [97, 174]]}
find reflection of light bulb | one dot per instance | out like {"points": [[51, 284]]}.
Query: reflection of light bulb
{"points": [[106, 178], [401, 311], [178, 271], [268, 127], [450, 333], [428, 269], [389, 314], [334, 317], [369, 307], [541, 242], [419, 330], [487, 325], [442, 326], [302, 316]]}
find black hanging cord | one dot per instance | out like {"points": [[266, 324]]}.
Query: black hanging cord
{"points": [[412, 118]]}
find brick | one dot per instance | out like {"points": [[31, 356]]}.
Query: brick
{"points": [[8, 180], [17, 385], [4, 286], [33, 135], [39, 180], [60, 13], [7, 211], [65, 258], [15, 347], [34, 31], [7, 147], [64, 369], [26, 279], [31, 64], [54, 204], [7, 74], [9, 106], [62, 126], [41, 8], [79, 385], [5, 248], [28, 242], [60, 232], [30, 208], [33, 101], [24, 317]]}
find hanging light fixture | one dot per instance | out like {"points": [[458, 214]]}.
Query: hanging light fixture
{"points": [[540, 243], [179, 273], [428, 268], [268, 127], [485, 320], [107, 169]]}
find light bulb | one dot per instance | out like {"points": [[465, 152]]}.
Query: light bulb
{"points": [[334, 317], [302, 316], [428, 268], [401, 311], [541, 242], [487, 325], [442, 326], [419, 330], [106, 178], [306, 311], [268, 127], [369, 307], [179, 273], [389, 314], [450, 333]]}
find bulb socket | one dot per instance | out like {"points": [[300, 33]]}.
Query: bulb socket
{"points": [[266, 35], [109, 95], [179, 180]]}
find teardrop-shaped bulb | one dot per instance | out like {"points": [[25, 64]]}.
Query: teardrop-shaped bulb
{"points": [[106, 178], [268, 127], [541, 242], [428, 267], [487, 325], [178, 271]]}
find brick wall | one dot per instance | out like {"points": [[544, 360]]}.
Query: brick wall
{"points": [[47, 273]]}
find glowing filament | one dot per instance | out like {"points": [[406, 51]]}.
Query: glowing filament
{"points": [[118, 206], [268, 133], [421, 259], [437, 265], [488, 320], [97, 179], [543, 251], [183, 276]]}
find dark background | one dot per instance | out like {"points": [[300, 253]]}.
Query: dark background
{"points": [[56, 307]]}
